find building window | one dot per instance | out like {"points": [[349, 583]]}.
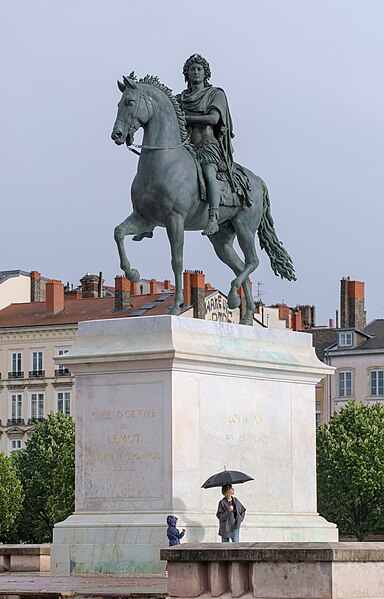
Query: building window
{"points": [[37, 406], [60, 369], [345, 383], [346, 339], [14, 445], [63, 399], [318, 413], [377, 382], [16, 406], [37, 360], [16, 364]]}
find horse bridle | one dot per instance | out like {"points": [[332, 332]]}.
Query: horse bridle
{"points": [[132, 132]]}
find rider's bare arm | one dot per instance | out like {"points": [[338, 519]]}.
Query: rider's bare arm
{"points": [[204, 119]]}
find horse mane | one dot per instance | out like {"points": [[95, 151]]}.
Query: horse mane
{"points": [[153, 80]]}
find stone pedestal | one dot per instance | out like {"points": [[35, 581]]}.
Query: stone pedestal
{"points": [[164, 402]]}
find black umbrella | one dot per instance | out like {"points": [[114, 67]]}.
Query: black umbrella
{"points": [[227, 477]]}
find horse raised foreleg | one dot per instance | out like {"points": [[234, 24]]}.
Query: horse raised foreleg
{"points": [[135, 224], [175, 232], [223, 245]]}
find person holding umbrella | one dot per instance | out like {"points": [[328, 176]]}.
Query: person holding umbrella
{"points": [[230, 513], [230, 510]]}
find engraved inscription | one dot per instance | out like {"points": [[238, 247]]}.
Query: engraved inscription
{"points": [[246, 430], [123, 452], [124, 438]]}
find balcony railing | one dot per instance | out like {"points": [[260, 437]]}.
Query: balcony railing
{"points": [[16, 374], [34, 420], [36, 374], [62, 372], [13, 421]]}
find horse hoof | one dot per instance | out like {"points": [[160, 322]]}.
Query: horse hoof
{"points": [[246, 321], [133, 275], [233, 300], [173, 311]]}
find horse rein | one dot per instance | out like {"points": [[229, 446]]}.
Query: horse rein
{"points": [[145, 147]]}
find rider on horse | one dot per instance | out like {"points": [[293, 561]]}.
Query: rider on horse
{"points": [[207, 114]]}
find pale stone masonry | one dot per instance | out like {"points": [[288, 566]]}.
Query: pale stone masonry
{"points": [[276, 570], [163, 403]]}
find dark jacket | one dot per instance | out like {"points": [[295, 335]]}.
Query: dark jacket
{"points": [[173, 533], [228, 522]]}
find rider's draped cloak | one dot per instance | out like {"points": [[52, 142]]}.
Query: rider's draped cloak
{"points": [[201, 103]]}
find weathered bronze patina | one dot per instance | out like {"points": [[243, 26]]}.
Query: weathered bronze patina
{"points": [[186, 159], [208, 117]]}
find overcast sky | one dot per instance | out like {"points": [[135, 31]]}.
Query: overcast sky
{"points": [[304, 79]]}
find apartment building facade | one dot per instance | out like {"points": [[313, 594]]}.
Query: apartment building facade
{"points": [[355, 350], [32, 384]]}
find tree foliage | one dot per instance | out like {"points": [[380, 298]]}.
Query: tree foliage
{"points": [[46, 469], [350, 469], [11, 496]]}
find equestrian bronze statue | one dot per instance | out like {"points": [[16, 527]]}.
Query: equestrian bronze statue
{"points": [[187, 180]]}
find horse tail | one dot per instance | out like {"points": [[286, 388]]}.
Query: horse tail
{"points": [[281, 262]]}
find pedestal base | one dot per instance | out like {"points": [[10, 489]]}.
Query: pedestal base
{"points": [[130, 544], [162, 403]]}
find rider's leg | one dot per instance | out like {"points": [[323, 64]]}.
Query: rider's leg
{"points": [[213, 193]]}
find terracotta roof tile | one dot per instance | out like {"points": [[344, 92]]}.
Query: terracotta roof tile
{"points": [[79, 310]]}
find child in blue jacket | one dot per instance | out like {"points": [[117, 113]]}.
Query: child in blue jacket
{"points": [[173, 533]]}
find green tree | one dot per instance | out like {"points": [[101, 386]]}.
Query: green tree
{"points": [[11, 496], [350, 469], [46, 469]]}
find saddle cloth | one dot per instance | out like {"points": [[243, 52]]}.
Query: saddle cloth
{"points": [[242, 196]]}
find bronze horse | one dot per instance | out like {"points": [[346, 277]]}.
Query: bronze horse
{"points": [[166, 193]]}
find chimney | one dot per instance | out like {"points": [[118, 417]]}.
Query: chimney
{"points": [[54, 297], [296, 320], [308, 316], [357, 314], [352, 313], [133, 288], [122, 293], [344, 312], [198, 294], [100, 285], [73, 294], [35, 286], [152, 286], [243, 303], [284, 313], [337, 319], [90, 285], [187, 287], [331, 324], [167, 284]]}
